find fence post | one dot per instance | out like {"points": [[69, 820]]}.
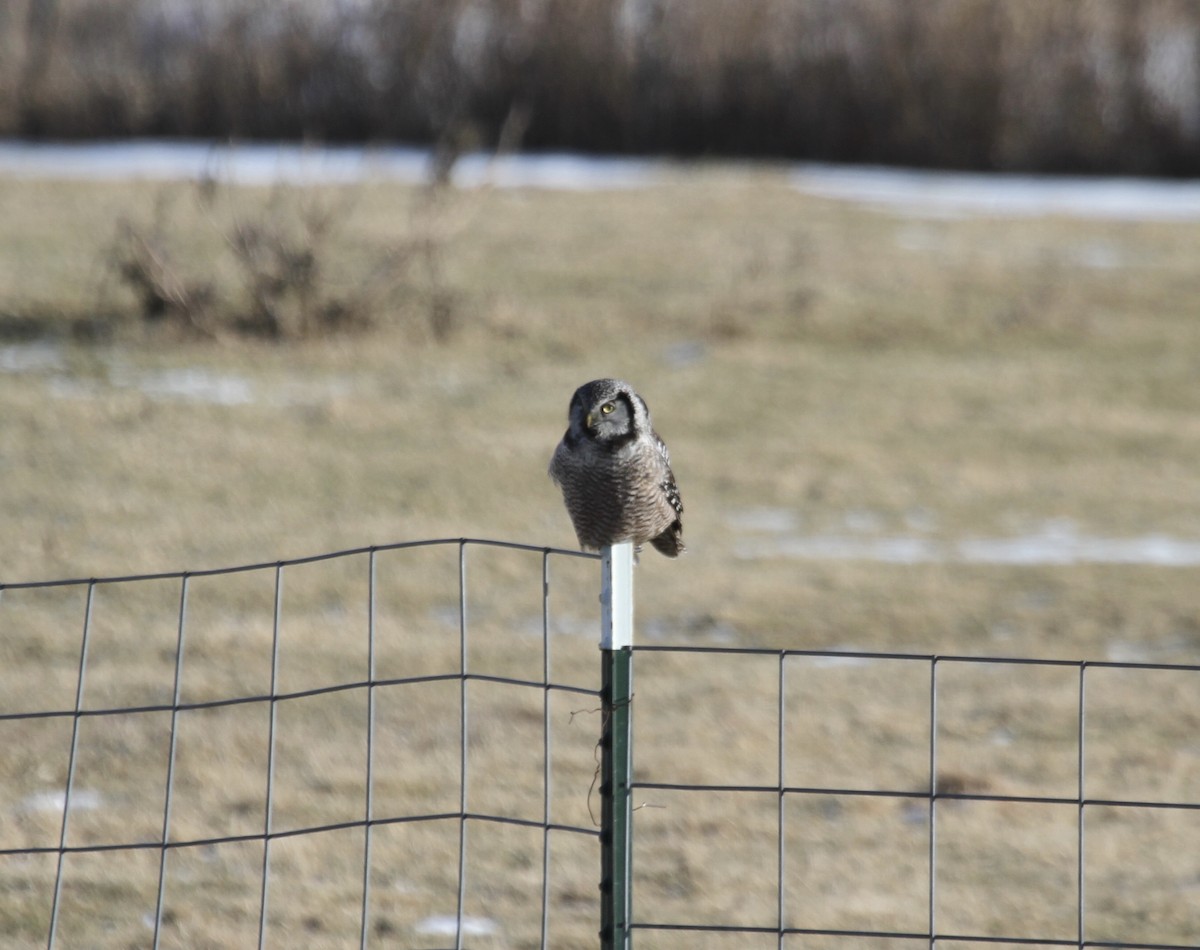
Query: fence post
{"points": [[616, 752]]}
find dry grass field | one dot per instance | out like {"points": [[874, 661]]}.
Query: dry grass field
{"points": [[819, 370]]}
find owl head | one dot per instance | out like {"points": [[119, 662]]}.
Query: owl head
{"points": [[608, 412]]}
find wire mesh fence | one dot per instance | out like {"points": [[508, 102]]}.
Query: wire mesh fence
{"points": [[876, 799], [397, 746], [371, 747]]}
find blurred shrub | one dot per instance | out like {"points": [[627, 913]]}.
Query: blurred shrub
{"points": [[280, 273], [1013, 84]]}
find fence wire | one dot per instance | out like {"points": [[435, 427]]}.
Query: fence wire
{"points": [[383, 747], [96, 880], [1007, 846]]}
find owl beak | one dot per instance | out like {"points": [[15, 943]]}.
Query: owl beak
{"points": [[587, 421]]}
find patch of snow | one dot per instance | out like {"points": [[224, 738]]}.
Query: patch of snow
{"points": [[54, 801], [835, 658], [684, 353], [36, 357], [265, 164], [1058, 541], [186, 385], [942, 194], [190, 385], [922, 193], [447, 925], [765, 519]]}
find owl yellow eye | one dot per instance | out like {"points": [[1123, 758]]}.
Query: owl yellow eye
{"points": [[607, 408]]}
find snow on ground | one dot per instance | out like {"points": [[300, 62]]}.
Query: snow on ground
{"points": [[257, 164], [923, 193], [960, 194]]}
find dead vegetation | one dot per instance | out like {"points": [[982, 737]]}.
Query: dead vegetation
{"points": [[291, 265], [1082, 85], [276, 274]]}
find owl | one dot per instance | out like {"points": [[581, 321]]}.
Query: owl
{"points": [[615, 472]]}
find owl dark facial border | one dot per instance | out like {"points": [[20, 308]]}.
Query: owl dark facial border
{"points": [[617, 441]]}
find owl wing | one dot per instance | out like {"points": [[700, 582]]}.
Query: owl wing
{"points": [[669, 488], [670, 540], [557, 460]]}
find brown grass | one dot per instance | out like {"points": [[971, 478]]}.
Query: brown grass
{"points": [[859, 371]]}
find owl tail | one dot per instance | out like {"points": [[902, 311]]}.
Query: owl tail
{"points": [[670, 542]]}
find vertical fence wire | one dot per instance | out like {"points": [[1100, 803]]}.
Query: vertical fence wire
{"points": [[170, 783], [70, 786], [368, 804], [545, 934], [781, 816], [269, 809], [1081, 920], [933, 798], [463, 738]]}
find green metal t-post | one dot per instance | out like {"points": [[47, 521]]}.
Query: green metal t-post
{"points": [[616, 748]]}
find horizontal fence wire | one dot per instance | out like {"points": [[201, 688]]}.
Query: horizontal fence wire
{"points": [[354, 686], [930, 795], [369, 549], [166, 843]]}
